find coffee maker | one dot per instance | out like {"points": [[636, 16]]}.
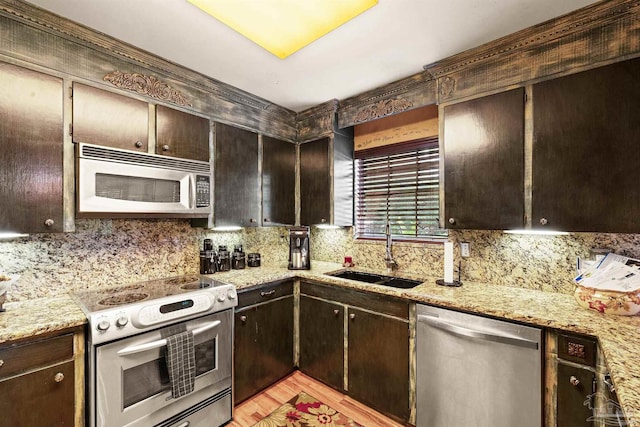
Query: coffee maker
{"points": [[299, 258]]}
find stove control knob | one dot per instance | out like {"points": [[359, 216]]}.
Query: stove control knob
{"points": [[103, 324], [231, 295], [221, 298], [122, 321]]}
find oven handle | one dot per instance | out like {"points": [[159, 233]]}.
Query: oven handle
{"points": [[161, 343]]}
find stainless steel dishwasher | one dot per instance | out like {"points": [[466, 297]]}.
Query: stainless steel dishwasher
{"points": [[475, 371]]}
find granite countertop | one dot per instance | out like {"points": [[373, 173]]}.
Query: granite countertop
{"points": [[619, 336], [30, 318]]}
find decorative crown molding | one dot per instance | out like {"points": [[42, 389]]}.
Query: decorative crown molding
{"points": [[147, 85], [385, 107], [537, 36]]}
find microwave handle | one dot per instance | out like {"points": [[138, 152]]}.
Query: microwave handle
{"points": [[161, 343], [192, 192]]}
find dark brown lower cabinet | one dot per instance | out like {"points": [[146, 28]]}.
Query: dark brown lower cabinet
{"points": [[37, 382], [376, 345], [575, 384], [263, 343], [322, 341], [39, 398], [378, 364]]}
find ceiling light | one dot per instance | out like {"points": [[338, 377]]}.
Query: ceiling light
{"points": [[327, 226], [227, 228], [537, 232], [283, 26], [10, 235]]}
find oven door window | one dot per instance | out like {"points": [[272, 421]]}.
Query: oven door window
{"points": [[137, 189], [148, 379]]}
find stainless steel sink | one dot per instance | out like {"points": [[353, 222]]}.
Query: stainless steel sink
{"points": [[377, 279]]}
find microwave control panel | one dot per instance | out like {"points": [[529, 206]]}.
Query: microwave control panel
{"points": [[203, 191]]}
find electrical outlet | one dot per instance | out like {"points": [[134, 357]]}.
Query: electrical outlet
{"points": [[464, 249]]}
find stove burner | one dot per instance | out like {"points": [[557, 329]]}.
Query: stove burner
{"points": [[120, 289], [196, 285], [181, 280], [123, 298]]}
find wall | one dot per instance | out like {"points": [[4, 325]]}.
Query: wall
{"points": [[544, 263], [113, 252]]}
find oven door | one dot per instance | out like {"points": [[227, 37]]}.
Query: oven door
{"points": [[132, 381]]}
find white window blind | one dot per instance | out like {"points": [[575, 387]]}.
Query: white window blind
{"points": [[399, 184]]}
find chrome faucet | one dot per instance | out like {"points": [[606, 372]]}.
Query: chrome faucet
{"points": [[388, 259]]}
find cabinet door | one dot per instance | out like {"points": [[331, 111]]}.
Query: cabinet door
{"points": [[278, 181], [106, 118], [574, 386], [378, 362], [315, 183], [263, 352], [42, 397], [484, 162], [322, 341], [585, 150], [31, 136], [180, 134], [237, 183]]}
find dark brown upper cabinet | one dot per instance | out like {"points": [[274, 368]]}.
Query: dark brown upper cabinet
{"points": [[585, 150], [278, 182], [180, 134], [315, 183], [236, 177], [326, 180], [105, 118], [483, 149], [31, 137]]}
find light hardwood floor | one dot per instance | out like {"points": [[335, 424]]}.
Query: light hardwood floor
{"points": [[261, 405]]}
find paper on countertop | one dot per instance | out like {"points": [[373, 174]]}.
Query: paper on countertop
{"points": [[612, 273]]}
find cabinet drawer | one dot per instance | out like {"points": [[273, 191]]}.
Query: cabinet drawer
{"points": [[578, 349], [20, 357], [40, 398], [379, 303], [264, 293]]}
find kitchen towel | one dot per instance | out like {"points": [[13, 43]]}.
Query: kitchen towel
{"points": [[181, 363]]}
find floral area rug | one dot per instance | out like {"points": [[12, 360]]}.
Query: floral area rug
{"points": [[305, 411]]}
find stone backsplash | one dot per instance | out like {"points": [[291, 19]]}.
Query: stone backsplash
{"points": [[546, 263], [112, 252]]}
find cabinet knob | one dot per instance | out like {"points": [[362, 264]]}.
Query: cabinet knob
{"points": [[266, 220], [352, 316], [58, 377], [1, 362], [243, 319], [452, 220], [49, 222], [323, 220], [574, 381], [543, 221], [252, 220], [336, 312], [138, 144], [165, 148]]}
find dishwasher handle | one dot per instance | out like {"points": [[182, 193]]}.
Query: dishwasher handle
{"points": [[483, 335]]}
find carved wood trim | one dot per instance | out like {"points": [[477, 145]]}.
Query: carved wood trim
{"points": [[39, 18], [383, 108], [147, 85]]}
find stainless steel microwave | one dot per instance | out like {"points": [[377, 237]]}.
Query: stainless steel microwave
{"points": [[120, 183]]}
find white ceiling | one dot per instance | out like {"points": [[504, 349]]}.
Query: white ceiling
{"points": [[390, 41]]}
